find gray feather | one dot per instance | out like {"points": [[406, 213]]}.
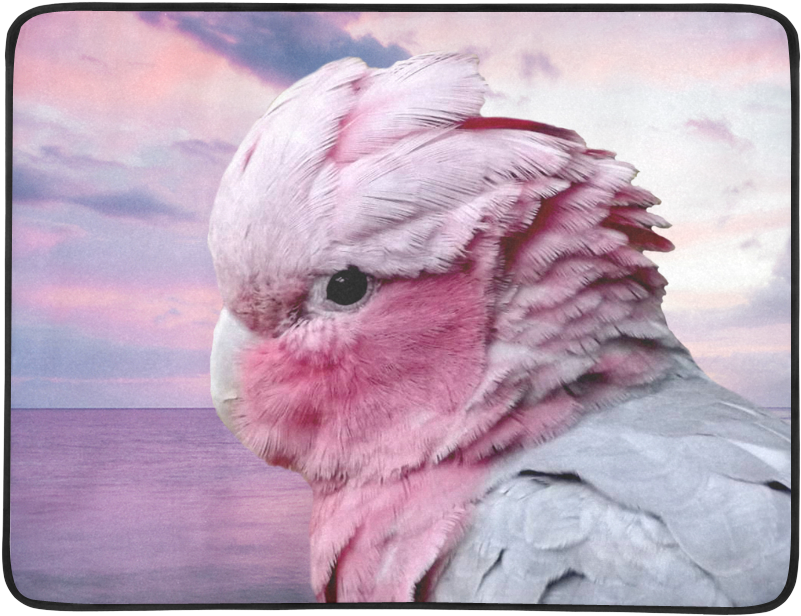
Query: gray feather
{"points": [[674, 498]]}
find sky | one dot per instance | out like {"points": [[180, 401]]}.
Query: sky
{"points": [[124, 122]]}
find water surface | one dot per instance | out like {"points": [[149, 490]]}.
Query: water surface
{"points": [[151, 506]]}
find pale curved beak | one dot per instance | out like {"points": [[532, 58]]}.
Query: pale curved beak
{"points": [[231, 338]]}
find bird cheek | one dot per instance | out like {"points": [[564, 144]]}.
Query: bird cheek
{"points": [[320, 342], [292, 386], [277, 419], [331, 394]]}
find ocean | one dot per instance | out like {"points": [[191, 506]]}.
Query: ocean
{"points": [[151, 506], [138, 506]]}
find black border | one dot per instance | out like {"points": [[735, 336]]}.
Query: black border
{"points": [[793, 45]]}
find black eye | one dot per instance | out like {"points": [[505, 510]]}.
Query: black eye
{"points": [[347, 286]]}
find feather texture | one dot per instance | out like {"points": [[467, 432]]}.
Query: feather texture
{"points": [[429, 91], [622, 511], [503, 415]]}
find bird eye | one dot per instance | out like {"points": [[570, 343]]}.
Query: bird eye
{"points": [[347, 287]]}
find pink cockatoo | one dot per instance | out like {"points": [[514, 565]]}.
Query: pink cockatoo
{"points": [[446, 324]]}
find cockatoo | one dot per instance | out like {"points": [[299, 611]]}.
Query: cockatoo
{"points": [[445, 322]]}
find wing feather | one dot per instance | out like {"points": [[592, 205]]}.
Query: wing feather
{"points": [[652, 502]]}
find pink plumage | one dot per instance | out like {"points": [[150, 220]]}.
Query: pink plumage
{"points": [[496, 298]]}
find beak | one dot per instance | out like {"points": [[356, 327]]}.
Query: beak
{"points": [[230, 339]]}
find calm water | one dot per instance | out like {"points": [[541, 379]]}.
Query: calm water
{"points": [[153, 506]]}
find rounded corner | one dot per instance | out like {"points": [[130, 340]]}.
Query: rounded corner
{"points": [[8, 577], [778, 17], [12, 34]]}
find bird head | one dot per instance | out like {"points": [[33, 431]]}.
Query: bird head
{"points": [[405, 281]]}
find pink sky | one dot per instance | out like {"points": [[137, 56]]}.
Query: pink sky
{"points": [[123, 125]]}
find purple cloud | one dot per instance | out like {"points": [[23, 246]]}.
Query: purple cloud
{"points": [[94, 60], [771, 303], [31, 185], [55, 155], [769, 375], [767, 305], [277, 46], [533, 64], [715, 130], [215, 151], [739, 189], [134, 203], [61, 352], [112, 187]]}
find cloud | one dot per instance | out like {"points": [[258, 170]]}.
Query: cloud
{"points": [[214, 151], [88, 347], [666, 49], [29, 237], [60, 352], [93, 60], [742, 340], [111, 250], [29, 184], [767, 305], [54, 154], [170, 174], [770, 303], [764, 378], [57, 176], [151, 312], [727, 227], [533, 64], [279, 47], [121, 392], [752, 358], [135, 203], [741, 188], [717, 130]]}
